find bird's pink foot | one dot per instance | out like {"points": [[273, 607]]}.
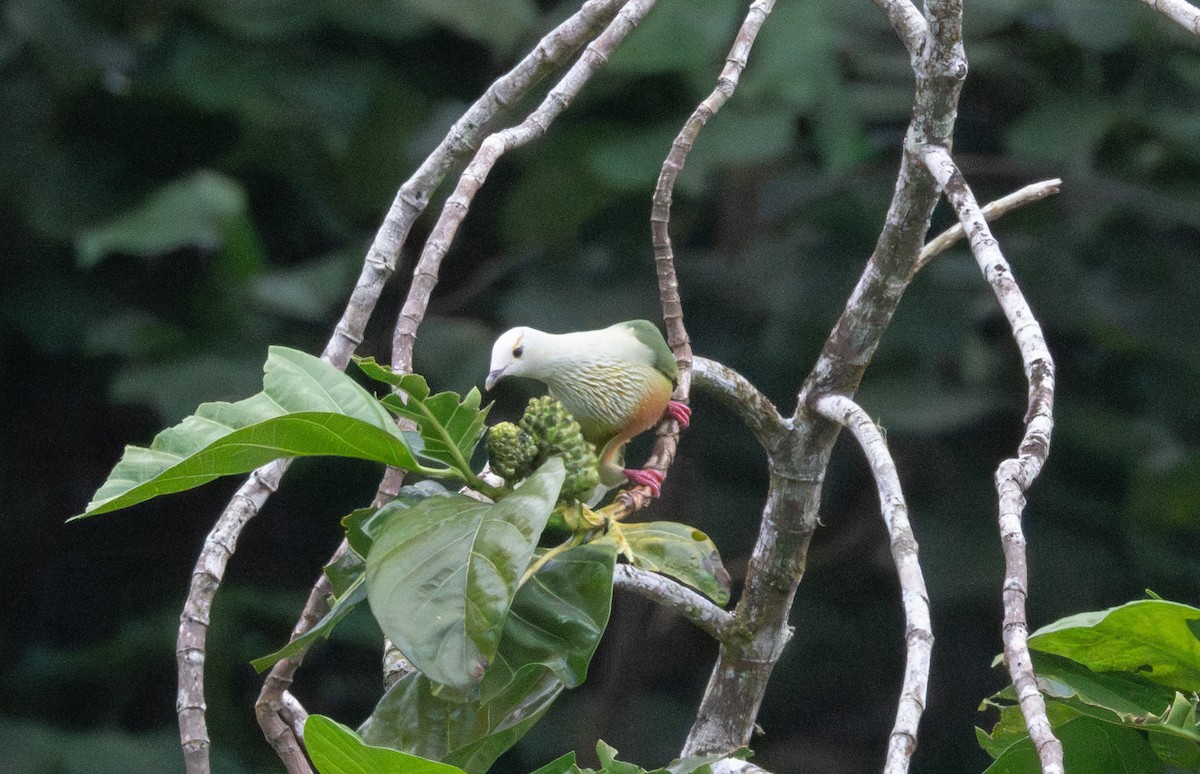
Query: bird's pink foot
{"points": [[680, 413], [652, 479]]}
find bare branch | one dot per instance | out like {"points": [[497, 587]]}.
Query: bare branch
{"points": [[1181, 12], [659, 588], [908, 23], [219, 546], [743, 399], [919, 632], [269, 708], [294, 713], [725, 720], [496, 145], [555, 49], [663, 453], [992, 211], [1013, 476]]}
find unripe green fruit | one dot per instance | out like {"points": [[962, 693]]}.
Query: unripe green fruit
{"points": [[512, 452], [557, 434]]}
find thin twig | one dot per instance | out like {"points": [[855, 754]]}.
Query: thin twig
{"points": [[1013, 476], [382, 257], [490, 150], [919, 632], [695, 607], [667, 441], [992, 211], [1181, 12]]}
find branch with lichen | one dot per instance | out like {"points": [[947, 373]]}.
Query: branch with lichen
{"points": [[382, 258], [798, 457], [991, 211], [1013, 476], [919, 631], [675, 596]]}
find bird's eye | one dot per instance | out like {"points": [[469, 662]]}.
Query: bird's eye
{"points": [[518, 350]]}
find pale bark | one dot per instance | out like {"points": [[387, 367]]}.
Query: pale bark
{"points": [[1013, 476], [1181, 12], [918, 637], [798, 458], [659, 588], [381, 261]]}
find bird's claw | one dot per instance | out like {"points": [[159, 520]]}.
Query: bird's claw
{"points": [[651, 479], [680, 413]]}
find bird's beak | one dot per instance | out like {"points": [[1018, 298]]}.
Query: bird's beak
{"points": [[493, 377]]}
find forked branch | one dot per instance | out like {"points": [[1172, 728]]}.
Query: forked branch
{"points": [[1014, 476]]}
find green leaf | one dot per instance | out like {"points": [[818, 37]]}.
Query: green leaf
{"points": [[440, 580], [449, 427], [1089, 745], [307, 407], [1122, 693], [1151, 638], [346, 598], [564, 764], [196, 211], [678, 550], [551, 632], [363, 524], [336, 749]]}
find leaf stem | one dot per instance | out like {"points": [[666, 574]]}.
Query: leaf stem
{"points": [[460, 466], [537, 564]]}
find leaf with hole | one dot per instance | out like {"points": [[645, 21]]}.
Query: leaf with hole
{"points": [[682, 552]]}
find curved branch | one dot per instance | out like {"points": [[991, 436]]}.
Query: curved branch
{"points": [[743, 399], [1013, 476], [919, 632], [1034, 192], [425, 275], [556, 48], [659, 588], [663, 454], [1181, 12]]}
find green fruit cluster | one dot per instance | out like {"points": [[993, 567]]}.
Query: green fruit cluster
{"points": [[511, 451], [546, 430]]}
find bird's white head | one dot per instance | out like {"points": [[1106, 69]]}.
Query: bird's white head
{"points": [[518, 352]]}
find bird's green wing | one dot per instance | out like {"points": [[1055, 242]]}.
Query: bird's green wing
{"points": [[664, 360]]}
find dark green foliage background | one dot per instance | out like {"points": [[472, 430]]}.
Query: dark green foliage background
{"points": [[187, 182]]}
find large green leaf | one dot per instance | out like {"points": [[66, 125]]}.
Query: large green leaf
{"points": [[551, 632], [1153, 638], [307, 407], [1089, 745], [336, 749], [450, 428], [683, 552], [441, 579]]}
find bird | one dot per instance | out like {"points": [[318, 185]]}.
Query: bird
{"points": [[616, 381]]}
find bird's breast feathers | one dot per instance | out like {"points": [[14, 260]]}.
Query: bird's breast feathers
{"points": [[611, 397]]}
